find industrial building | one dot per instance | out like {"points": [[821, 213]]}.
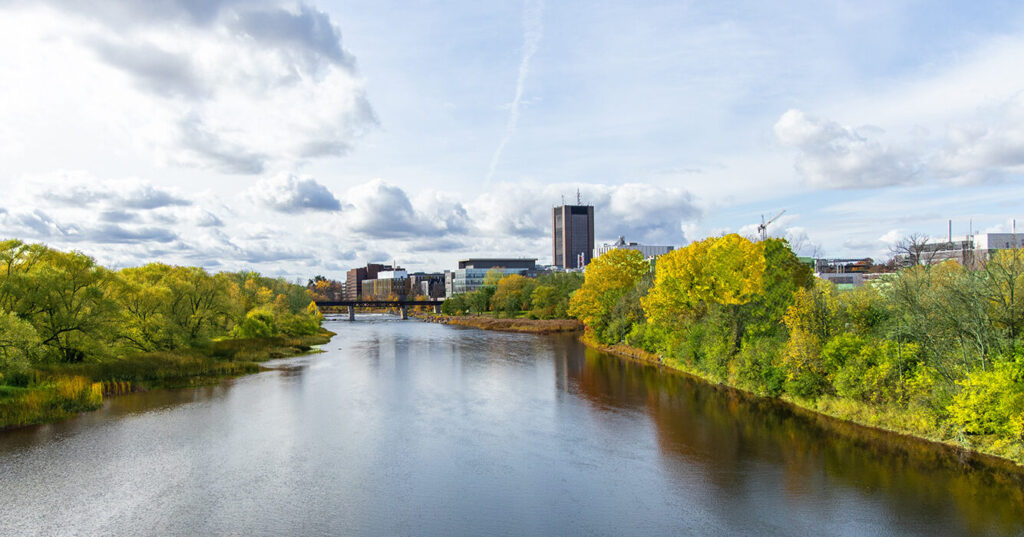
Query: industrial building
{"points": [[970, 250]]}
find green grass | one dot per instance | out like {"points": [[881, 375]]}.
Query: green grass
{"points": [[61, 398], [7, 392]]}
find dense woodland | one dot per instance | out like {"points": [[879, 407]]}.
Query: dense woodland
{"points": [[71, 329], [930, 350]]}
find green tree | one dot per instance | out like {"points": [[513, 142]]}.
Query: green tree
{"points": [[512, 294], [719, 270], [142, 300], [199, 306], [628, 314], [19, 344], [543, 301], [1005, 292], [942, 309], [784, 276], [607, 278], [64, 297], [812, 320], [479, 301], [17, 259], [992, 402], [551, 298], [455, 305]]}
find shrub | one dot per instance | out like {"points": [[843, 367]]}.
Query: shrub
{"points": [[259, 322], [990, 402]]}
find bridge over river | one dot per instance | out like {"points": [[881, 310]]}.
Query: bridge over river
{"points": [[403, 305]]}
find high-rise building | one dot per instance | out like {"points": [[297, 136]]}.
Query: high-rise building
{"points": [[572, 235]]}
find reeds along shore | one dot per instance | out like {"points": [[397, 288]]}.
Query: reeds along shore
{"points": [[63, 390]]}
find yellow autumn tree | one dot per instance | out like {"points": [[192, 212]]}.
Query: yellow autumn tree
{"points": [[607, 278], [726, 270], [512, 294], [814, 317]]}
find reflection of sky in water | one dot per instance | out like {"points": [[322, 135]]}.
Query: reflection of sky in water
{"points": [[762, 465], [415, 428]]}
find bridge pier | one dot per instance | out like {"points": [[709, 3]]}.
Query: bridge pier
{"points": [[437, 309], [405, 312], [351, 313]]}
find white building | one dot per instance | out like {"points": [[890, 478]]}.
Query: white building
{"points": [[399, 274], [646, 250], [970, 250]]}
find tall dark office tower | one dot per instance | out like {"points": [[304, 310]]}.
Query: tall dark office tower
{"points": [[572, 235]]}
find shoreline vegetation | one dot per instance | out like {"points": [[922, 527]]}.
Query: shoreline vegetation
{"points": [[84, 387], [73, 332], [848, 425], [483, 322], [935, 352]]}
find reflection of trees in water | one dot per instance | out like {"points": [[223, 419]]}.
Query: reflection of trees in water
{"points": [[724, 431]]}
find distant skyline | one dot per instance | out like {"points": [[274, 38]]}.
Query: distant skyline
{"points": [[308, 138]]}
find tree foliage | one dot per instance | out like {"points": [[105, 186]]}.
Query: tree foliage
{"points": [[512, 294], [935, 347], [606, 280], [62, 307], [546, 297], [725, 270]]}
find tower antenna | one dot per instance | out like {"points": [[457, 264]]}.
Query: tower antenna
{"points": [[579, 199]]}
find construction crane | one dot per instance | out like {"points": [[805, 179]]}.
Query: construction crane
{"points": [[763, 228]]}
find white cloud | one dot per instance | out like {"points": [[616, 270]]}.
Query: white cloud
{"points": [[80, 189], [288, 193], [642, 213], [380, 209], [891, 237], [990, 145], [233, 87], [835, 156]]}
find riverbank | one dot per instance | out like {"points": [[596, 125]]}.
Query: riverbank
{"points": [[842, 414], [59, 391], [483, 322]]}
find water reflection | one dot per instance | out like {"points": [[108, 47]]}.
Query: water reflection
{"points": [[740, 443], [406, 428]]}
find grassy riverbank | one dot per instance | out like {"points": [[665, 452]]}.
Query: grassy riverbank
{"points": [[899, 425], [487, 322], [58, 391]]}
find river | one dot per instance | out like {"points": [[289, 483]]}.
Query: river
{"points": [[409, 428]]}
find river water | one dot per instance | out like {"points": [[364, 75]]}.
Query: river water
{"points": [[409, 428]]}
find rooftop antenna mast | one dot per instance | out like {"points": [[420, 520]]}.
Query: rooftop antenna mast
{"points": [[579, 198]]}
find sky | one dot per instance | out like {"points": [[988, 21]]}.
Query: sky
{"points": [[307, 138]]}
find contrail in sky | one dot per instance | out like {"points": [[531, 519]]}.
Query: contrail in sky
{"points": [[533, 31]]}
